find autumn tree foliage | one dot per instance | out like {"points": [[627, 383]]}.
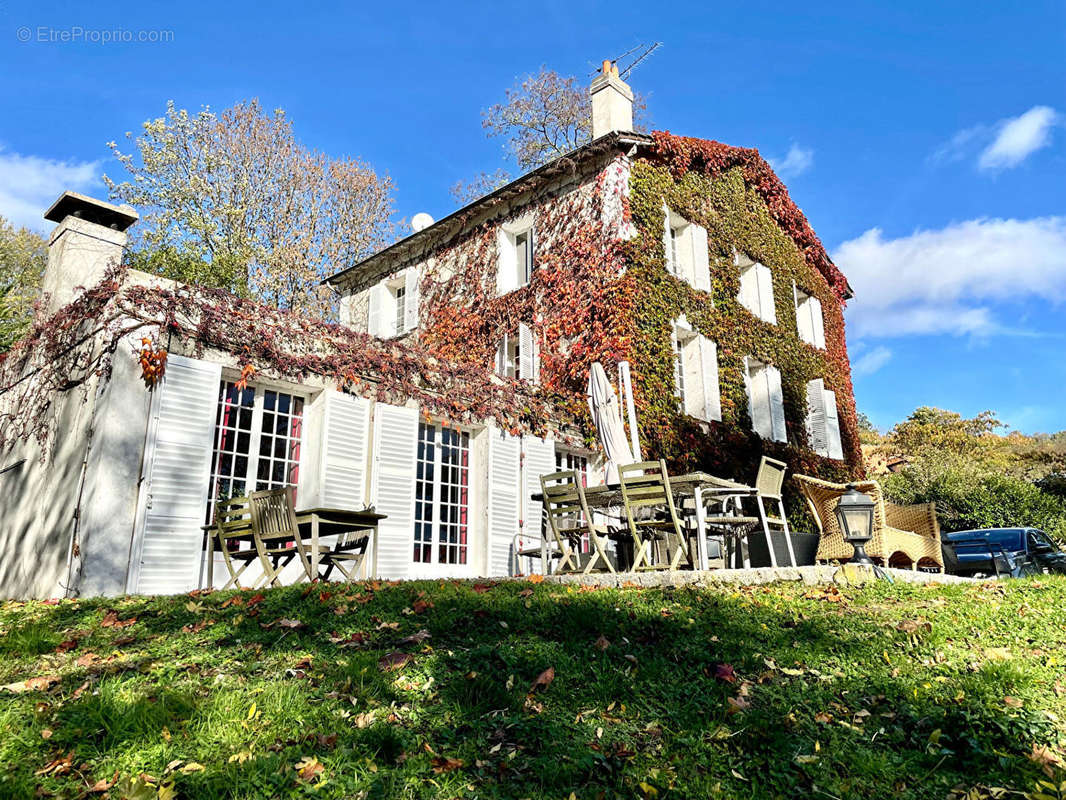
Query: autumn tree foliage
{"points": [[232, 200], [543, 116], [23, 255]]}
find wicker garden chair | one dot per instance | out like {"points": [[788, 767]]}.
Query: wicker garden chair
{"points": [[902, 535], [569, 519], [646, 484]]}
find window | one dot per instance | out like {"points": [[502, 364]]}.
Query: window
{"points": [[756, 289], [809, 322], [766, 404], [565, 460], [257, 441], [392, 309], [695, 373], [518, 355], [823, 422], [685, 245], [442, 495], [516, 262]]}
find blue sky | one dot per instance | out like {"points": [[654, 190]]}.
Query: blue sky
{"points": [[925, 141]]}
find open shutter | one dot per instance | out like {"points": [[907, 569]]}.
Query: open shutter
{"points": [[506, 268], [712, 396], [749, 290], [816, 418], [701, 265], [501, 357], [168, 544], [766, 293], [777, 403], [337, 474], [817, 323], [668, 249], [376, 313], [832, 426], [759, 399], [527, 370], [393, 486], [538, 458], [679, 365], [411, 278], [505, 483]]}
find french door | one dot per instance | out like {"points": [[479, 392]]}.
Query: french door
{"points": [[442, 500]]}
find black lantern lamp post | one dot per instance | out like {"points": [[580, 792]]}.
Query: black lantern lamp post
{"points": [[855, 515]]}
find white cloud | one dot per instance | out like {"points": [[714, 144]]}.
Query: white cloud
{"points": [[30, 184], [949, 280], [1005, 144], [797, 161], [870, 362], [1019, 137]]}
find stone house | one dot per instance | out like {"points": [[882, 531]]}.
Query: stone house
{"points": [[455, 377]]}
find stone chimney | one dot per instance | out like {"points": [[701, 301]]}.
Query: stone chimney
{"points": [[90, 237], [612, 102]]}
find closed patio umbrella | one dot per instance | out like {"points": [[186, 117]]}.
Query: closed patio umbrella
{"points": [[607, 415]]}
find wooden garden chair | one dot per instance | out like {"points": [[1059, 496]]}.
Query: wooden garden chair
{"points": [[348, 555], [233, 533], [768, 483], [646, 486], [276, 533], [569, 519]]}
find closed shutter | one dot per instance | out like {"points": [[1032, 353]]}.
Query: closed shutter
{"points": [[816, 419], [393, 486], [803, 316], [701, 265], [765, 281], [505, 482], [345, 429], [746, 295], [178, 472], [501, 357], [412, 277], [817, 323], [538, 458], [777, 404], [712, 395], [506, 268], [832, 426], [679, 365], [376, 314], [758, 398], [527, 355], [668, 245]]}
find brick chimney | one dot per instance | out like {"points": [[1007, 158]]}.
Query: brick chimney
{"points": [[612, 102], [90, 237]]}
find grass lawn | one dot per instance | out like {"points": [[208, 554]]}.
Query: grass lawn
{"points": [[524, 690]]}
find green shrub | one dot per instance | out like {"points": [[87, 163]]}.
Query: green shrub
{"points": [[968, 497]]}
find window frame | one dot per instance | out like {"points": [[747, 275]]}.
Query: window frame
{"points": [[462, 546], [511, 275], [251, 480]]}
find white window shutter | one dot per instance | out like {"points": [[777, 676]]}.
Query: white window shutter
{"points": [[173, 504], [538, 458], [759, 399], [376, 310], [777, 404], [412, 277], [816, 417], [679, 365], [766, 293], [832, 426], [506, 264], [527, 370], [667, 243], [504, 501], [701, 265], [342, 453], [817, 323], [501, 357], [392, 486], [712, 395]]}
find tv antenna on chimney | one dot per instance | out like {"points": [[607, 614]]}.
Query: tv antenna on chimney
{"points": [[634, 60]]}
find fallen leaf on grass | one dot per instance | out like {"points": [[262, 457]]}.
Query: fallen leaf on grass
{"points": [[1013, 702], [40, 683], [196, 627], [389, 626], [111, 620], [67, 646], [394, 661], [309, 768], [290, 623], [725, 672], [602, 643], [535, 578], [442, 764], [543, 680], [416, 638], [1047, 759], [481, 588], [419, 606], [57, 766], [735, 705], [87, 660], [46, 733], [103, 784]]}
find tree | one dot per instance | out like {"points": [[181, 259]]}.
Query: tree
{"points": [[23, 255], [543, 116], [234, 201]]}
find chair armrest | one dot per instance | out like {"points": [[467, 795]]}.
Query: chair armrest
{"points": [[919, 518]]}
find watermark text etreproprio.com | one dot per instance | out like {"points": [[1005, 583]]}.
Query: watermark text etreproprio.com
{"points": [[46, 34]]}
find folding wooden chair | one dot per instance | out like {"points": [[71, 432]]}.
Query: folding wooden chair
{"points": [[569, 518], [233, 532], [348, 554], [274, 527], [646, 485]]}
